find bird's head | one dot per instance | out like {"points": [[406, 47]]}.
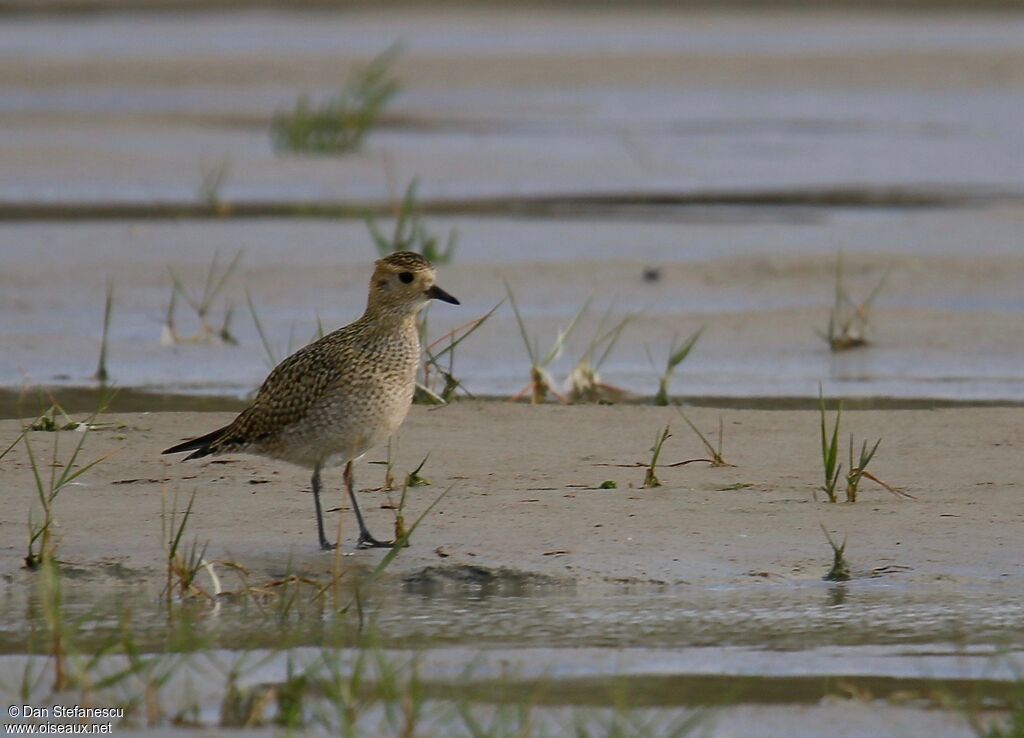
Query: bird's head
{"points": [[404, 282]]}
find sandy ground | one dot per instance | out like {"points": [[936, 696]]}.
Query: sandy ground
{"points": [[523, 497]]}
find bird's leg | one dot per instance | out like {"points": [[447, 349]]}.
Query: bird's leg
{"points": [[324, 543], [365, 539]]}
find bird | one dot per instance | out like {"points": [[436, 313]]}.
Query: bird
{"points": [[331, 401]]}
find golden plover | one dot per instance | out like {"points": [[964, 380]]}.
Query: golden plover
{"points": [[330, 402]]}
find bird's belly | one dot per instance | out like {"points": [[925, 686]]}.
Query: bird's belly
{"points": [[344, 427]]}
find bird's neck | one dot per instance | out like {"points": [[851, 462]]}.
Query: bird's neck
{"points": [[394, 319]]}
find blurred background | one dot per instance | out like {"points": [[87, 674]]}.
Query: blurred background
{"points": [[210, 167], [735, 204]]}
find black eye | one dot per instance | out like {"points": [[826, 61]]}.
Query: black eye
{"points": [[406, 277]]}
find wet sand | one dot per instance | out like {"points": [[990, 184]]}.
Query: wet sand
{"points": [[524, 497], [718, 566]]}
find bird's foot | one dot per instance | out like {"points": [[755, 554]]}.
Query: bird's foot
{"points": [[368, 541], [326, 545]]}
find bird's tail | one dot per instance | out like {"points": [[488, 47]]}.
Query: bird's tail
{"points": [[202, 446]]}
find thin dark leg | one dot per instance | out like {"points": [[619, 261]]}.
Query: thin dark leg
{"points": [[324, 543], [365, 539]]}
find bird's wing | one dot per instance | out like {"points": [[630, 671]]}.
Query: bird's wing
{"points": [[292, 388]]}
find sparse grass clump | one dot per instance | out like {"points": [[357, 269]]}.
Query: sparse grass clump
{"points": [[584, 382], [413, 478], [715, 457], [840, 571], [411, 233], [650, 478], [541, 384], [433, 357], [848, 321], [340, 124], [857, 469], [183, 565], [42, 546], [202, 303], [54, 419], [650, 467], [676, 356]]}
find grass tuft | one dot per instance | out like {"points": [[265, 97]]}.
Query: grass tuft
{"points": [[857, 470], [413, 478], [48, 421], [714, 452], [840, 571], [584, 381], [676, 356], [202, 303], [432, 362], [42, 546], [829, 450], [183, 565], [650, 478], [338, 125], [541, 384], [848, 320], [411, 234]]}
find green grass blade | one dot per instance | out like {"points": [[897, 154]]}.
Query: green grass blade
{"points": [[225, 275], [563, 335], [878, 288], [703, 439], [611, 338], [259, 330], [470, 328], [522, 326], [679, 355], [399, 544], [179, 289]]}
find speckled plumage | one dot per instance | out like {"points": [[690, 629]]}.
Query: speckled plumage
{"points": [[331, 401], [334, 399]]}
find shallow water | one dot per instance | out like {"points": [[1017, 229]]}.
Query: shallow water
{"points": [[693, 152], [944, 329], [657, 655], [505, 612]]}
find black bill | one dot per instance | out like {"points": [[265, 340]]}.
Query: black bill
{"points": [[436, 293]]}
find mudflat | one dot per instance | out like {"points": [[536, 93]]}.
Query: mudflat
{"points": [[525, 496]]}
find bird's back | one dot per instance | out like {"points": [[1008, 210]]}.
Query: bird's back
{"points": [[337, 396]]}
